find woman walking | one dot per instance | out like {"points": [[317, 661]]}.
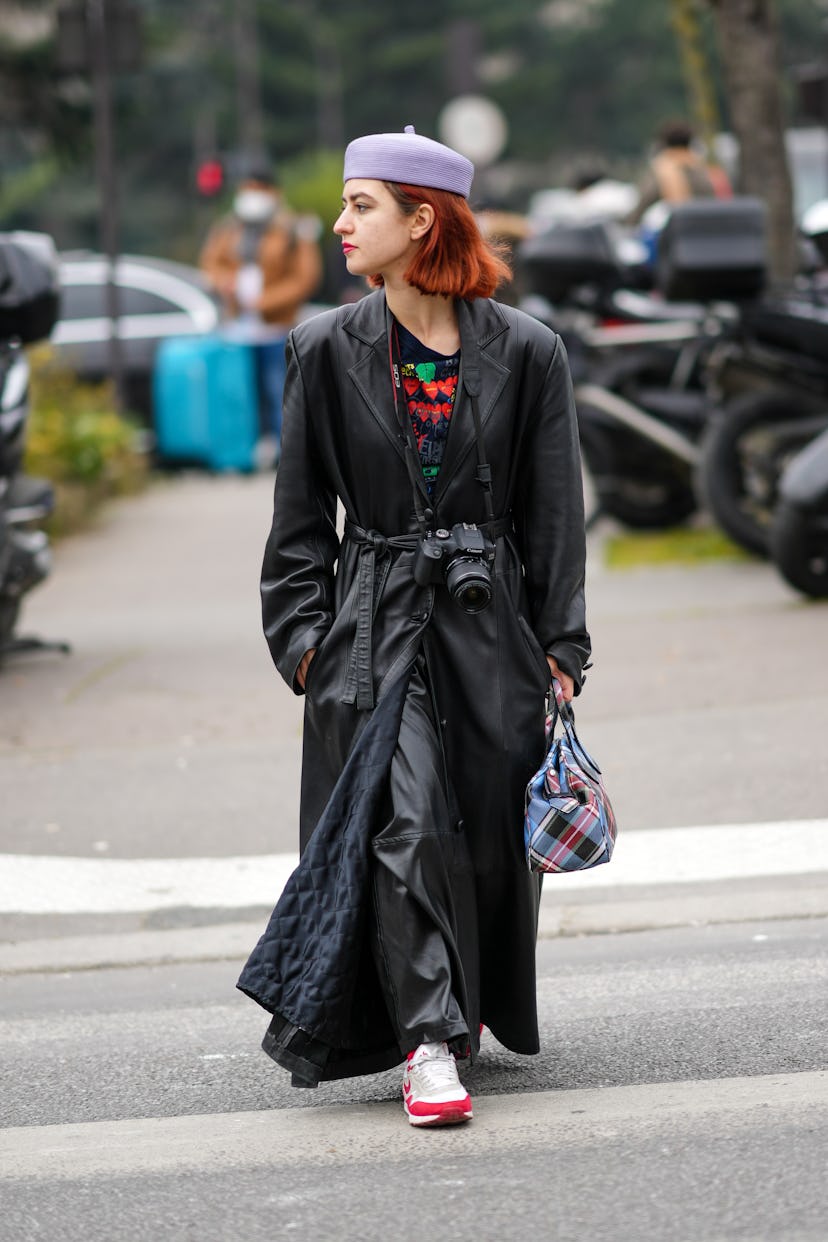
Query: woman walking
{"points": [[423, 640]]}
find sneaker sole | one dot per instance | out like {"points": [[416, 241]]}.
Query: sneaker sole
{"points": [[451, 1117]]}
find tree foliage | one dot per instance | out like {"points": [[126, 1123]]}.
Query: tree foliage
{"points": [[572, 76]]}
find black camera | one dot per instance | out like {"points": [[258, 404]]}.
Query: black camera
{"points": [[462, 558]]}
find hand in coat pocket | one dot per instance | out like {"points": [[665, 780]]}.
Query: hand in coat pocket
{"points": [[304, 665]]}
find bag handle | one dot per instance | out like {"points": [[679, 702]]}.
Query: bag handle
{"points": [[559, 706], [559, 709]]}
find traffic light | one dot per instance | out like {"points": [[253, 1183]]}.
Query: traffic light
{"points": [[210, 178]]}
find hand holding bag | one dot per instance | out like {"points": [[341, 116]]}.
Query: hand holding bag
{"points": [[569, 823]]}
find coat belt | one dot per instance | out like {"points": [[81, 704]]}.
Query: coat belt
{"points": [[375, 549]]}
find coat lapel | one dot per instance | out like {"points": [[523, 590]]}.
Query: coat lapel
{"points": [[480, 323], [371, 373]]}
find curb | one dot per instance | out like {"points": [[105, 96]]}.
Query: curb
{"points": [[612, 912], [664, 907], [221, 942]]}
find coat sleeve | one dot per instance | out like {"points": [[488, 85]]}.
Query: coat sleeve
{"points": [[549, 520], [302, 548]]}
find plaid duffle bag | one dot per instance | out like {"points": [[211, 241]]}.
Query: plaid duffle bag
{"points": [[569, 824]]}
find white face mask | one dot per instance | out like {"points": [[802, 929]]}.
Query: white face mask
{"points": [[254, 206]]}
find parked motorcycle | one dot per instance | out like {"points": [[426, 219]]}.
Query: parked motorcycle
{"points": [[772, 385], [638, 358], [769, 381], [799, 529], [28, 311]]}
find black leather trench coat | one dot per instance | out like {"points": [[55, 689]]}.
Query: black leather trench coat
{"points": [[356, 601]]}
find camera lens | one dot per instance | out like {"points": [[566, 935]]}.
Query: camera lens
{"points": [[469, 583]]}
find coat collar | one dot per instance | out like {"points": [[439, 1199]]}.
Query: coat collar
{"points": [[480, 323], [483, 318]]}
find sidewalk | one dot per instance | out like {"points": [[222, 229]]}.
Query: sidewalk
{"points": [[168, 735]]}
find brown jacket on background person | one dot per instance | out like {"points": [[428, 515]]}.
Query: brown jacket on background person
{"points": [[291, 267]]}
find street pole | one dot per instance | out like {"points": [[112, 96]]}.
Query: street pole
{"points": [[100, 64], [248, 93], [328, 68]]}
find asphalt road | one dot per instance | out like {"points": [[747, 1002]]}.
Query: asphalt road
{"points": [[681, 1093]]}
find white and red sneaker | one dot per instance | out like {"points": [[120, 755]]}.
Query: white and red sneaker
{"points": [[432, 1092]]}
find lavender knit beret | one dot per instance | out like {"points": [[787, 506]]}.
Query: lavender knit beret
{"points": [[409, 158]]}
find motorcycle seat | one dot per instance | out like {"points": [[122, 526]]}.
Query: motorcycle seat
{"points": [[791, 323], [29, 498], [645, 308], [674, 405]]}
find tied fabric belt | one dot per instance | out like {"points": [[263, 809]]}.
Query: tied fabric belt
{"points": [[374, 547]]}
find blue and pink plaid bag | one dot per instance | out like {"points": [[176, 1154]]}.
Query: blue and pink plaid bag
{"points": [[569, 824]]}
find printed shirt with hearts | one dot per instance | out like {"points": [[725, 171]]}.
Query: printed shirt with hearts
{"points": [[430, 385]]}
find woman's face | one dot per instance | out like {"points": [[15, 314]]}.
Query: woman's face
{"points": [[378, 238]]}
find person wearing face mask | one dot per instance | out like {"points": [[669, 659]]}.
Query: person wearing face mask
{"points": [[264, 263]]}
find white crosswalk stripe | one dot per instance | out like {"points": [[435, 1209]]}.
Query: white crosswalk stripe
{"points": [[35, 884]]}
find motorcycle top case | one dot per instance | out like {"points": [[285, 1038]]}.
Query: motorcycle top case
{"points": [[565, 256], [29, 287], [205, 402], [713, 249]]}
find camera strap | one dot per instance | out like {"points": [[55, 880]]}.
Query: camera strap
{"points": [[424, 513], [471, 383]]}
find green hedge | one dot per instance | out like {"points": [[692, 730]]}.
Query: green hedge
{"points": [[78, 441]]}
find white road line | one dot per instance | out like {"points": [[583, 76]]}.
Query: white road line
{"points": [[333, 1135], [35, 884]]}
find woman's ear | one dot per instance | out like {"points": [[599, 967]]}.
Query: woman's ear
{"points": [[421, 221]]}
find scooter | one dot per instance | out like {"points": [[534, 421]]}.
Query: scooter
{"points": [[742, 388], [799, 530], [28, 311], [771, 382], [637, 363]]}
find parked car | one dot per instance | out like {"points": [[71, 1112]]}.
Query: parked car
{"points": [[158, 299]]}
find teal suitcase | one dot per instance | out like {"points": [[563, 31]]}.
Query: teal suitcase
{"points": [[205, 402]]}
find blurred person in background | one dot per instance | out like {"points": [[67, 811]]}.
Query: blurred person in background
{"points": [[678, 171], [598, 196], [264, 263]]}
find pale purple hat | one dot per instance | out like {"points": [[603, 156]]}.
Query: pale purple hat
{"points": [[409, 158]]}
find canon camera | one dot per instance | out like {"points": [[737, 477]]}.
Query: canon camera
{"points": [[462, 558]]}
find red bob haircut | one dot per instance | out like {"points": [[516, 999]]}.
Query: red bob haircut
{"points": [[454, 259]]}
